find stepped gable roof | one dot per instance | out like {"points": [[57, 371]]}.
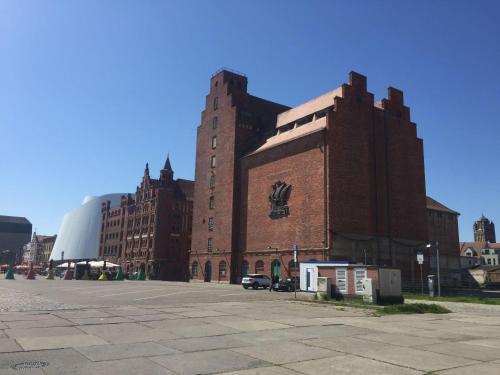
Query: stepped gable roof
{"points": [[433, 204]]}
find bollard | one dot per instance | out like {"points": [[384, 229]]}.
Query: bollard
{"points": [[141, 275], [31, 273], [119, 275], [10, 274]]}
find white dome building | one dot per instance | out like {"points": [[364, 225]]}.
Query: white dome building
{"points": [[78, 236]]}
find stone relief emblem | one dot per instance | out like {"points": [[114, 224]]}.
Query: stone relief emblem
{"points": [[279, 199]]}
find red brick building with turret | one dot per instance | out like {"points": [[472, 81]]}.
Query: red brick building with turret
{"points": [[341, 176], [152, 229]]}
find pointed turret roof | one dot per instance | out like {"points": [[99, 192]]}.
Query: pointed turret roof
{"points": [[167, 166]]}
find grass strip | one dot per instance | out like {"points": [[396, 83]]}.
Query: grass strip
{"points": [[414, 308], [462, 299]]}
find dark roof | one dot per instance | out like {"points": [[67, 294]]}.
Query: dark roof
{"points": [[14, 219], [434, 205], [187, 187], [167, 166]]}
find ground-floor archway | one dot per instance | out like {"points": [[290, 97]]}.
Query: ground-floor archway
{"points": [[208, 271], [276, 268]]}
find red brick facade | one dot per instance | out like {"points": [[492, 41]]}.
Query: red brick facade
{"points": [[356, 173], [443, 230], [152, 231]]}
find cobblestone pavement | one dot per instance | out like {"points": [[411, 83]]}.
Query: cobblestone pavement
{"points": [[85, 327], [13, 300]]}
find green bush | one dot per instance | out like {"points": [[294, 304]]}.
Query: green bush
{"points": [[322, 296], [414, 308]]}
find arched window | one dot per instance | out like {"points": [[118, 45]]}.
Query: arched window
{"points": [[259, 266], [244, 268], [222, 269], [194, 269], [469, 252]]}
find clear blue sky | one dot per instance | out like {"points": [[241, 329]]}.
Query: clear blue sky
{"points": [[92, 90]]}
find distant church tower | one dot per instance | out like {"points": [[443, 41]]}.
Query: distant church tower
{"points": [[484, 230]]}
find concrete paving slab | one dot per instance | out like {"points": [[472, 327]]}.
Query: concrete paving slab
{"points": [[285, 353], [349, 364], [479, 369], [9, 345], [100, 320], [2, 335], [124, 351], [202, 313], [154, 317], [272, 370], [248, 325], [35, 371], [201, 330], [207, 362], [465, 350], [418, 359], [122, 367], [349, 345], [170, 323], [296, 321], [490, 343], [54, 321], [84, 313], [56, 361], [129, 311], [14, 316], [326, 331], [42, 332], [3, 326], [59, 342], [400, 339], [205, 343], [123, 333]]}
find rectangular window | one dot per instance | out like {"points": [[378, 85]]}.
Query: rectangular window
{"points": [[215, 121], [212, 181], [214, 142], [359, 275], [210, 223], [210, 244], [216, 103], [341, 277], [212, 161], [211, 202]]}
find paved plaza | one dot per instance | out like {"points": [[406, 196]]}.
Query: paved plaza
{"points": [[130, 327]]}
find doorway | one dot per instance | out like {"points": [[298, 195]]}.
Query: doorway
{"points": [[208, 271], [276, 268]]}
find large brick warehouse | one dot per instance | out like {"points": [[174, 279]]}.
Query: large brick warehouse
{"points": [[341, 176]]}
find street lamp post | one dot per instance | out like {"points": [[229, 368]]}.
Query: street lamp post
{"points": [[436, 244]]}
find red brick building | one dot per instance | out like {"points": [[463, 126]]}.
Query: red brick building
{"points": [[113, 229], [341, 176], [151, 230], [443, 232]]}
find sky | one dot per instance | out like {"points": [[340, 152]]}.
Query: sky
{"points": [[91, 90]]}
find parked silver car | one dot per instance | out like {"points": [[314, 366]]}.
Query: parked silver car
{"points": [[255, 281]]}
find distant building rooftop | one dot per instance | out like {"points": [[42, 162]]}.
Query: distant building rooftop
{"points": [[14, 219]]}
